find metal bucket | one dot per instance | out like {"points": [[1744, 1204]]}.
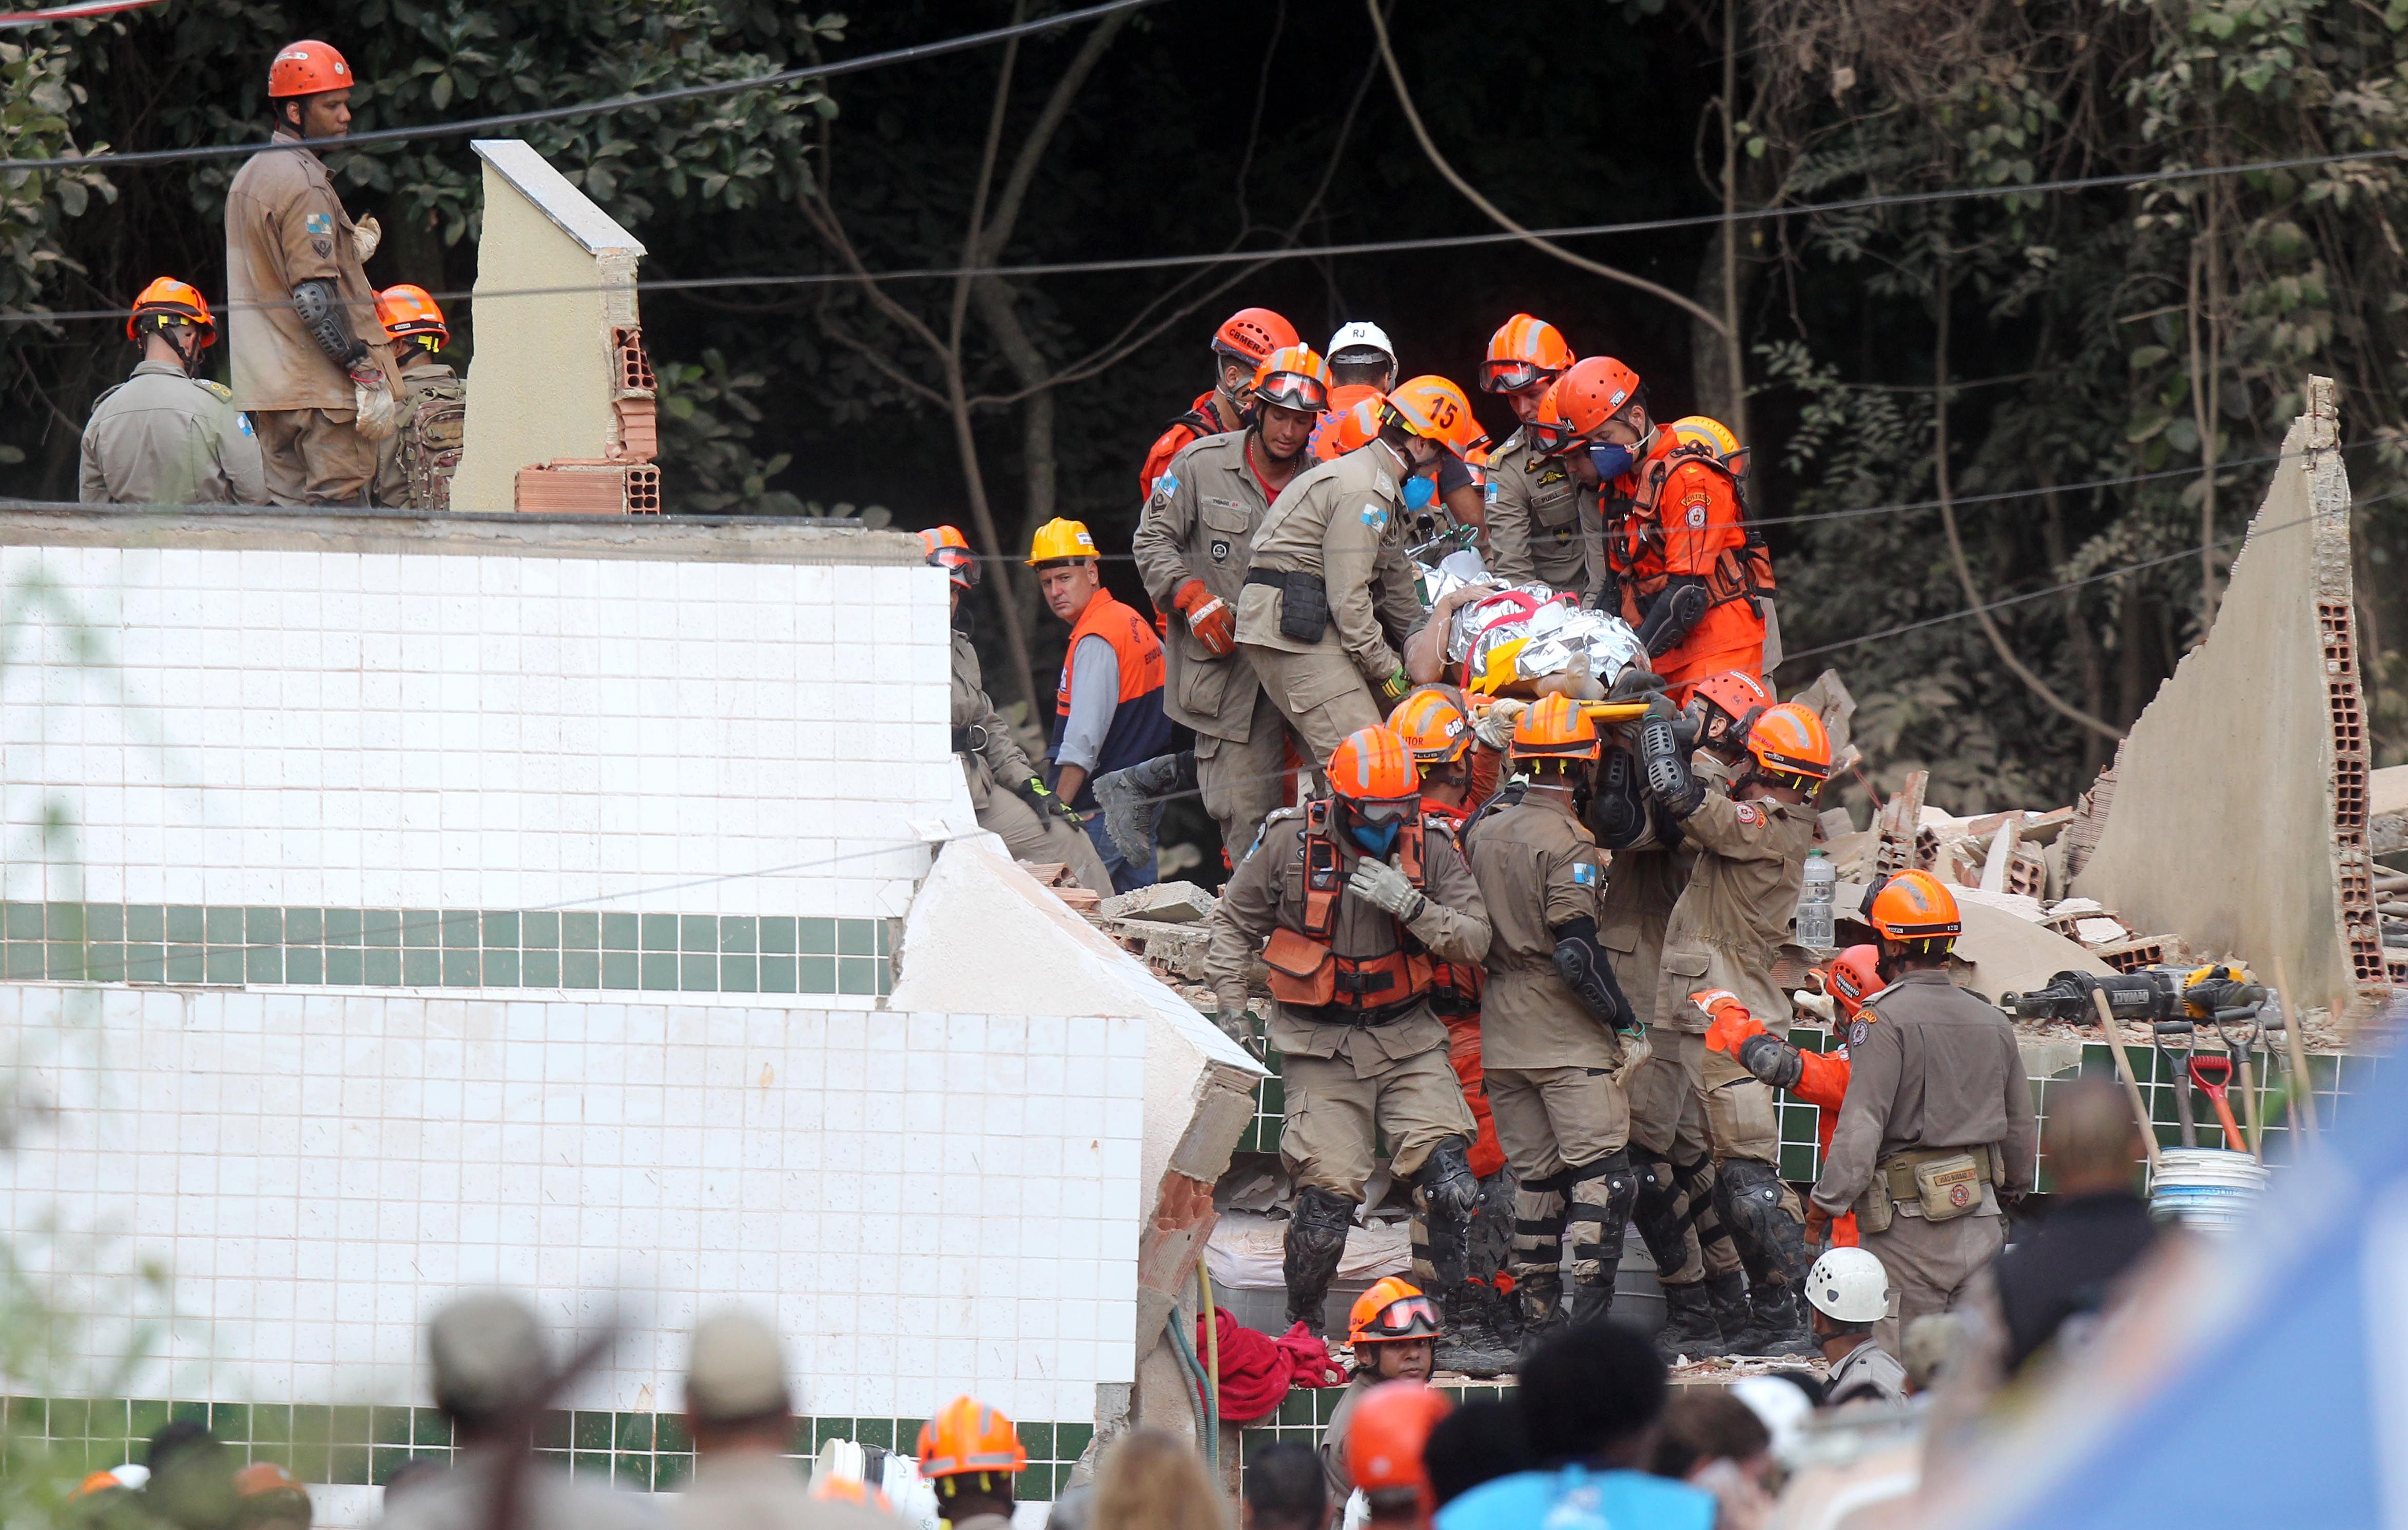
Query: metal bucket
{"points": [[2207, 1189]]}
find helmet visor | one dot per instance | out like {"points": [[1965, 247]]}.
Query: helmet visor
{"points": [[958, 563], [1385, 809], [1409, 1317], [1293, 391], [1509, 377]]}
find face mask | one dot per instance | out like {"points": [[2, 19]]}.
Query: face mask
{"points": [[1610, 462], [1375, 839], [1419, 492]]}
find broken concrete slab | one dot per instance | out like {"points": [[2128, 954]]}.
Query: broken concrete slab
{"points": [[2386, 810], [2240, 811], [1165, 903]]}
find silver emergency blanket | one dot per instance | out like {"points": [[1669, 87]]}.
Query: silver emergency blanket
{"points": [[1561, 639]]}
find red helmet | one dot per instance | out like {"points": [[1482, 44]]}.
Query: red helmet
{"points": [[1391, 1428], [1251, 334], [1594, 392], [175, 303], [1853, 977], [308, 67], [1522, 351], [1734, 692]]}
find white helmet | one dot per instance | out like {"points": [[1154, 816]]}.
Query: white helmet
{"points": [[1360, 336], [1849, 1285]]}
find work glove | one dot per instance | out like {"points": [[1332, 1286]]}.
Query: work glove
{"points": [[1383, 886], [1732, 1023], [365, 236], [1209, 616], [2215, 987], [1636, 1048], [1818, 1231], [1041, 796], [376, 416], [1495, 726], [1393, 689], [1819, 1005], [1237, 1024], [1636, 683]]}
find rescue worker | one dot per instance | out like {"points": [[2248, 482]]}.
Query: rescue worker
{"points": [[1244, 342], [1938, 1126], [1849, 1292], [1353, 940], [310, 364], [1818, 1078], [414, 468], [1392, 1328], [969, 1453], [1193, 543], [1362, 367], [739, 1413], [1482, 1327], [1553, 1024], [1108, 704], [168, 436], [1683, 562], [1329, 595], [1042, 829], [1383, 1451], [1725, 933], [1544, 524]]}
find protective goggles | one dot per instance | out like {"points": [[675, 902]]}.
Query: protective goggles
{"points": [[1293, 391], [1512, 376], [1409, 1317], [1385, 809], [958, 563]]}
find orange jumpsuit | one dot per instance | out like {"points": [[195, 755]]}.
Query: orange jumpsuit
{"points": [[1202, 419], [1685, 522], [1822, 1082]]}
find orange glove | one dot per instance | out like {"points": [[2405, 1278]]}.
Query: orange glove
{"points": [[1732, 1023], [1208, 616], [1818, 1228]]}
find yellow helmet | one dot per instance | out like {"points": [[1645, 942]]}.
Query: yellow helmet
{"points": [[1715, 438], [1059, 541]]}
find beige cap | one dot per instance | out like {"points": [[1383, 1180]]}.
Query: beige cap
{"points": [[489, 1353], [735, 1369]]}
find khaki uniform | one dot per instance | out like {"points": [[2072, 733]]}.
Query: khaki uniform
{"points": [[1866, 1374], [993, 765], [1346, 1084], [1561, 1115], [1939, 1072], [284, 226], [414, 468], [1200, 524], [1337, 521], [161, 437], [759, 1491], [463, 1499], [1544, 526]]}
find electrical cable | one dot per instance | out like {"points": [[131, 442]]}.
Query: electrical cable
{"points": [[912, 54]]}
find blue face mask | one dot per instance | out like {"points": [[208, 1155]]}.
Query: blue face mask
{"points": [[1419, 492], [1611, 461], [1375, 839]]}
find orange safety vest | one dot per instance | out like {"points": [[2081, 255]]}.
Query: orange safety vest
{"points": [[1139, 730], [1352, 989], [1202, 419]]}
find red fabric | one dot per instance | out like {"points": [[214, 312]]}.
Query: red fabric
{"points": [[1258, 1370], [1463, 1051]]}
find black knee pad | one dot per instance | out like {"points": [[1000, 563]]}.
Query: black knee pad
{"points": [[1748, 1194], [1449, 1188]]}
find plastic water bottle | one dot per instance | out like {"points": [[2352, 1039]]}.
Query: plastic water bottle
{"points": [[1816, 904]]}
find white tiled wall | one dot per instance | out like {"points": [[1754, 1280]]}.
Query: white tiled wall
{"points": [[348, 729], [927, 1204]]}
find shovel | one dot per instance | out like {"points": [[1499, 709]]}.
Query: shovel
{"points": [[2212, 1073], [2159, 1033]]}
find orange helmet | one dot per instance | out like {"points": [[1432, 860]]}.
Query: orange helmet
{"points": [[1341, 433], [1546, 430], [1853, 977], [308, 67], [406, 308], [98, 1481], [1555, 728], [1593, 391], [1392, 1310], [1736, 692], [1432, 723], [1251, 334], [1435, 409], [966, 1436], [1916, 908], [1522, 351], [1373, 764], [264, 1479], [946, 547], [1383, 1444], [833, 1489], [1791, 746], [174, 303], [1294, 376]]}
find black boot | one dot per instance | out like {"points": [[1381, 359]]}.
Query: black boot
{"points": [[1316, 1240], [1689, 1325], [1472, 1343], [1777, 1324], [1727, 1299], [1541, 1295], [1593, 1300]]}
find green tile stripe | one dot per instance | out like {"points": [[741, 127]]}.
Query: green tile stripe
{"points": [[642, 1452], [436, 948]]}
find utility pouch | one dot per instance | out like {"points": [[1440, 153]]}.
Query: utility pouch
{"points": [[1949, 1187], [1304, 613], [1873, 1211], [1303, 970]]}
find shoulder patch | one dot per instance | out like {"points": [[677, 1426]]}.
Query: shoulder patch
{"points": [[1488, 492], [1375, 515], [1583, 874], [1697, 515], [244, 421], [1165, 486], [1749, 813], [1856, 1029], [318, 222]]}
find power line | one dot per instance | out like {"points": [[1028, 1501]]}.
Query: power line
{"points": [[912, 54]]}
